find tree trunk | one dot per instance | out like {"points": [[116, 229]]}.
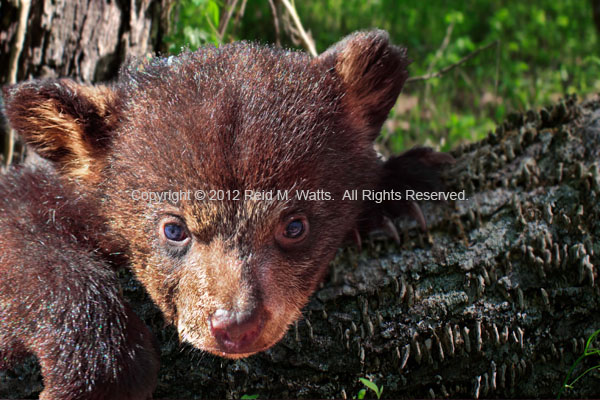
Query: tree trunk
{"points": [[83, 39]]}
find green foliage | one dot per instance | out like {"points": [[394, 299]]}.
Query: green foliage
{"points": [[194, 24], [361, 394], [372, 386], [250, 397], [589, 351], [546, 49]]}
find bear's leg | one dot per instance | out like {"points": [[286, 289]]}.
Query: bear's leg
{"points": [[416, 170], [67, 311]]}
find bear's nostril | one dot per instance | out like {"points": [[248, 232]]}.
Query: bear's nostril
{"points": [[236, 332]]}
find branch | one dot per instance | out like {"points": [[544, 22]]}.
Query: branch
{"points": [[306, 39], [15, 54], [239, 16], [440, 51], [275, 22], [436, 58], [224, 22], [450, 67]]}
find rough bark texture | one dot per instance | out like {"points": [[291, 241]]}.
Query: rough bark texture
{"points": [[496, 301], [82, 39]]}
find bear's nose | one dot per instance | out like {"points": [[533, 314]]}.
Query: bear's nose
{"points": [[236, 331]]}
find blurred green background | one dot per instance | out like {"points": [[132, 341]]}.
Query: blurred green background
{"points": [[541, 50]]}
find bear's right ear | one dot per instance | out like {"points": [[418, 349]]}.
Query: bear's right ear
{"points": [[65, 122], [372, 72]]}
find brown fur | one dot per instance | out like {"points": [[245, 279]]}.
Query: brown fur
{"points": [[66, 122], [240, 117], [59, 297]]}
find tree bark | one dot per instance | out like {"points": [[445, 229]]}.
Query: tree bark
{"points": [[83, 39]]}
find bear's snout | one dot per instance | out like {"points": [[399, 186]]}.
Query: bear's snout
{"points": [[237, 332]]}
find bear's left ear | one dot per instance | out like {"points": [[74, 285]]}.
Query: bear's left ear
{"points": [[372, 73], [68, 123]]}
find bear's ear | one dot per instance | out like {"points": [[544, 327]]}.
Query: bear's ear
{"points": [[65, 122], [372, 73]]}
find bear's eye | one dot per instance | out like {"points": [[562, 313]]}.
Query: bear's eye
{"points": [[292, 231], [175, 232], [172, 231]]}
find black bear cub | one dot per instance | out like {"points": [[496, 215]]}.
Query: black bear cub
{"points": [[219, 176]]}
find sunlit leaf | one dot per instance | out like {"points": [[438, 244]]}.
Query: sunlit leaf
{"points": [[369, 384]]}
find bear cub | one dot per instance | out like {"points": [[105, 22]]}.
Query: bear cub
{"points": [[230, 270]]}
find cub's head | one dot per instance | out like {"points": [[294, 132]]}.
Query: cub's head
{"points": [[223, 172]]}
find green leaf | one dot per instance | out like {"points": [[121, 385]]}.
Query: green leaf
{"points": [[502, 14], [592, 59], [562, 21], [589, 343], [361, 394], [212, 12], [586, 353], [540, 17], [369, 384], [250, 396], [455, 16]]}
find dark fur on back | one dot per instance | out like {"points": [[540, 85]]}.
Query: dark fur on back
{"points": [[59, 297]]}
